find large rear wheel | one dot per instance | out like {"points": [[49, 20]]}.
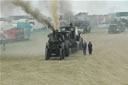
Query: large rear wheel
{"points": [[67, 52], [61, 54]]}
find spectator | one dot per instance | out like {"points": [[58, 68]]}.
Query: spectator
{"points": [[84, 45], [4, 37], [90, 48]]}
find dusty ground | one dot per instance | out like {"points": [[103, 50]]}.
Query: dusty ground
{"points": [[107, 66]]}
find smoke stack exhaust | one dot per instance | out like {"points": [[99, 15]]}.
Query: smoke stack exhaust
{"points": [[54, 13]]}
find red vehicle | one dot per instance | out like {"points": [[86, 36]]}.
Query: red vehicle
{"points": [[15, 34]]}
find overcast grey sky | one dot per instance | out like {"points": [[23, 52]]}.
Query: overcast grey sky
{"points": [[99, 7], [90, 6]]}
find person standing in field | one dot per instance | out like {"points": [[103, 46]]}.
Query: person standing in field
{"points": [[90, 48], [84, 46], [4, 37]]}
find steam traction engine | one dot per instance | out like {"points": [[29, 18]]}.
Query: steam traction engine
{"points": [[55, 46], [61, 44], [75, 39]]}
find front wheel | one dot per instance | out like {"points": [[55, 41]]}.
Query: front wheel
{"points": [[46, 54]]}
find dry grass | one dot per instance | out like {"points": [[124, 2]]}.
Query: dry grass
{"points": [[107, 66]]}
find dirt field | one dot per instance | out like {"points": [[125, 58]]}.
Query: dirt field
{"points": [[23, 63]]}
